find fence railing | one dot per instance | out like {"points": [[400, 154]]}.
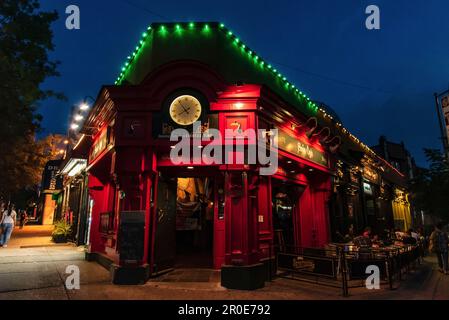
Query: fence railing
{"points": [[343, 267]]}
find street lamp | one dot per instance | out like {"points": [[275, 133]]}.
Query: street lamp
{"points": [[84, 106]]}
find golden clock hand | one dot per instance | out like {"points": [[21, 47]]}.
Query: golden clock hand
{"points": [[182, 106]]}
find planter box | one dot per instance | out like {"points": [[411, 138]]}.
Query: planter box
{"points": [[59, 239]]}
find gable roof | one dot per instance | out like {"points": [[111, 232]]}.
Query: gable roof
{"points": [[215, 45]]}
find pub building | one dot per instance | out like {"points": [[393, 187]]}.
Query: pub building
{"points": [[74, 196], [367, 191], [149, 215]]}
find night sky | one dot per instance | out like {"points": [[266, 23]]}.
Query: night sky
{"points": [[379, 82]]}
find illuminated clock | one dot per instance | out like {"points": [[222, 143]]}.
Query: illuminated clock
{"points": [[185, 110]]}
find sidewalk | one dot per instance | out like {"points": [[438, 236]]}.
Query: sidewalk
{"points": [[39, 273], [31, 236], [34, 268]]}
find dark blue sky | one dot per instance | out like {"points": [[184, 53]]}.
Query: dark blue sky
{"points": [[379, 82]]}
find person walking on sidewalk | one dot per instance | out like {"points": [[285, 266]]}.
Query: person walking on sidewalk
{"points": [[7, 222], [439, 243], [23, 218]]}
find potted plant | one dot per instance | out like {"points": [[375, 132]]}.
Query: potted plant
{"points": [[61, 232]]}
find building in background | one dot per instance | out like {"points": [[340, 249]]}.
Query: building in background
{"points": [[74, 196], [364, 187], [398, 156]]}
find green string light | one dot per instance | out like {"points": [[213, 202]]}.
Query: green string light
{"points": [[206, 28]]}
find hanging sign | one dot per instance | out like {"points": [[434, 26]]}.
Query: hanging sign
{"points": [[289, 143], [51, 181], [101, 144], [445, 107]]}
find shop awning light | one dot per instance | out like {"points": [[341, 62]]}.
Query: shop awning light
{"points": [[74, 167], [78, 117], [79, 142], [74, 126], [84, 107]]}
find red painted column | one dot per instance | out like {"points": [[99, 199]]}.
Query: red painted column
{"points": [[97, 192], [241, 228], [219, 224], [264, 218], [149, 182], [321, 214]]}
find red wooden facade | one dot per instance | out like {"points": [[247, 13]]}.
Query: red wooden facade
{"points": [[127, 164]]}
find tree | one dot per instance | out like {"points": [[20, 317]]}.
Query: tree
{"points": [[431, 186], [23, 182], [25, 41]]}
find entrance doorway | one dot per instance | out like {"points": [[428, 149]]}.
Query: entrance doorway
{"points": [[194, 222], [184, 236], [285, 209]]}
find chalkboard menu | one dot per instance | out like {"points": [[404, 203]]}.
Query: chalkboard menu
{"points": [[131, 236]]}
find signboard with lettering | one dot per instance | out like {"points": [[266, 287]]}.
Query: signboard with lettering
{"points": [[370, 174], [100, 145], [445, 107], [51, 182], [289, 143]]}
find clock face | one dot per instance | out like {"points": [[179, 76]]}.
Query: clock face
{"points": [[185, 110]]}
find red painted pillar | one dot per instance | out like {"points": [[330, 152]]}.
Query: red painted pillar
{"points": [[97, 192], [219, 224], [243, 269]]}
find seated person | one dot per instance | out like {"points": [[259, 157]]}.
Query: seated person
{"points": [[376, 242], [408, 239], [364, 240]]}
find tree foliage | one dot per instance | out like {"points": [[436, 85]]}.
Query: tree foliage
{"points": [[431, 186], [25, 42]]}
